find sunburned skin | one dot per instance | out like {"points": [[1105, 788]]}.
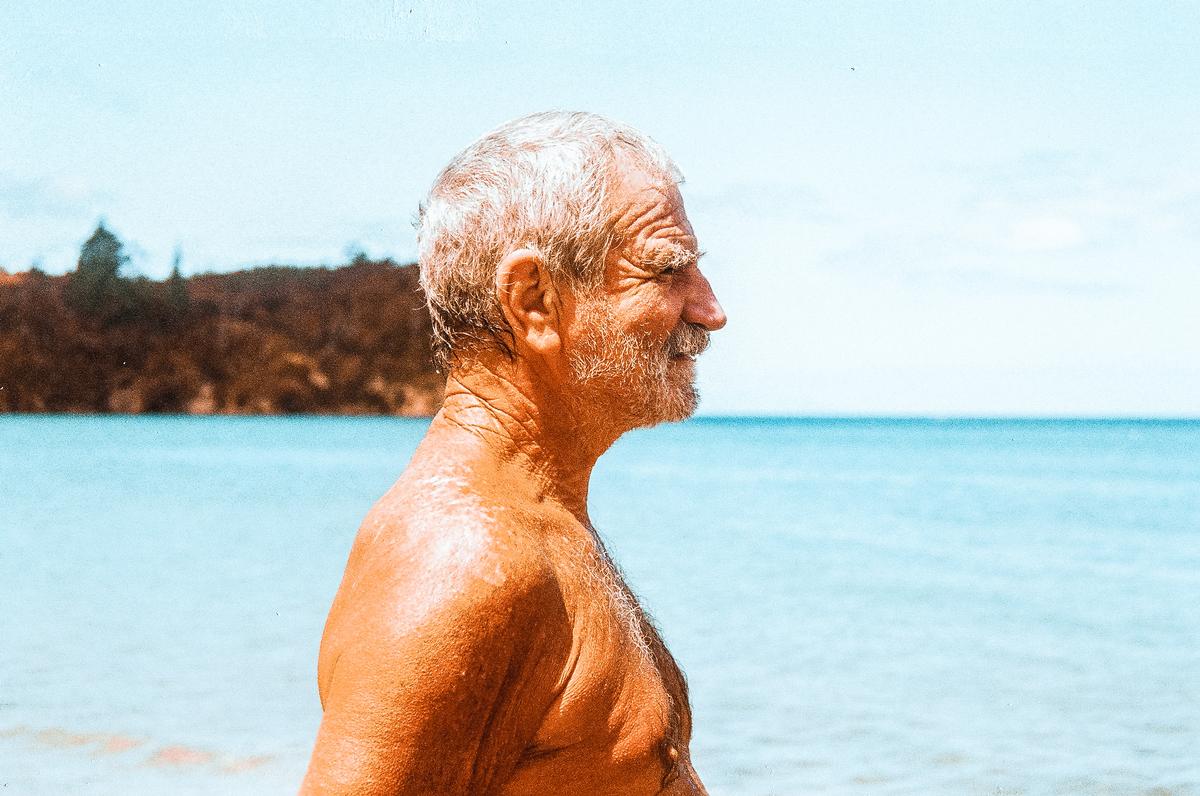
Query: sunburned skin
{"points": [[482, 640]]}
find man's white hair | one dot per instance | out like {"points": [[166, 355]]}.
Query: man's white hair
{"points": [[539, 182]]}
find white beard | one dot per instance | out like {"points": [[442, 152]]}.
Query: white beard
{"points": [[632, 378]]}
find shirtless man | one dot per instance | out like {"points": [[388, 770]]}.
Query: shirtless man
{"points": [[482, 641]]}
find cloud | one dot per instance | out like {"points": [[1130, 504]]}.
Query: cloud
{"points": [[958, 264], [1178, 214], [39, 197], [1045, 233], [1045, 223], [760, 200], [995, 281]]}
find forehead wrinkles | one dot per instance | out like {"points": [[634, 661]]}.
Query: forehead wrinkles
{"points": [[649, 211]]}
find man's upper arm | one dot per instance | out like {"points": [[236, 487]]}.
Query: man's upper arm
{"points": [[443, 698]]}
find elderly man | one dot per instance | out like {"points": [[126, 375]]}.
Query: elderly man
{"points": [[482, 640]]}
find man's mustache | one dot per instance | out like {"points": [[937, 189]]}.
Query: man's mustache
{"points": [[689, 339]]}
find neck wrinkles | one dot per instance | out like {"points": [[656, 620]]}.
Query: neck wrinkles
{"points": [[534, 429]]}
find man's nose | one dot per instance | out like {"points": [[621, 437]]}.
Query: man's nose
{"points": [[702, 306]]}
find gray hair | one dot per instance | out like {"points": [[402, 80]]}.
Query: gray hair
{"points": [[539, 182]]}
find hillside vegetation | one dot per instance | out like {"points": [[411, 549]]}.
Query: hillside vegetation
{"points": [[347, 340]]}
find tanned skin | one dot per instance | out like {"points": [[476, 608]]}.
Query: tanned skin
{"points": [[481, 641]]}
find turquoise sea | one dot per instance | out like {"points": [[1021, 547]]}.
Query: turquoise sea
{"points": [[861, 606]]}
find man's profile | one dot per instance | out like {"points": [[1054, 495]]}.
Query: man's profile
{"points": [[482, 641]]}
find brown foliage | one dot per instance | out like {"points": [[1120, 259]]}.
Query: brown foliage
{"points": [[354, 339]]}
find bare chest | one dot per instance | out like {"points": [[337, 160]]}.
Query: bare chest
{"points": [[620, 722]]}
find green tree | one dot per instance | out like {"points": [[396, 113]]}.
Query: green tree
{"points": [[96, 283], [177, 291]]}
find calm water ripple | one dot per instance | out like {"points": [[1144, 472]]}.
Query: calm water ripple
{"points": [[862, 606]]}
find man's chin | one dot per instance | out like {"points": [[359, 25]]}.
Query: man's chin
{"points": [[677, 402], [667, 397]]}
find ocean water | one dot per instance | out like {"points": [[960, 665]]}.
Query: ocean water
{"points": [[861, 606]]}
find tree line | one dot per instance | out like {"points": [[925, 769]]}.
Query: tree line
{"points": [[354, 339]]}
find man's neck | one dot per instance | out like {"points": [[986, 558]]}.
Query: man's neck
{"points": [[516, 418]]}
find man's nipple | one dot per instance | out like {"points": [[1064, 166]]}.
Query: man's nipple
{"points": [[670, 755]]}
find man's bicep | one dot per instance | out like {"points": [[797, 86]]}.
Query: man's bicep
{"points": [[445, 707]]}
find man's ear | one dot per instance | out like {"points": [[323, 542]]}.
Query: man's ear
{"points": [[528, 300]]}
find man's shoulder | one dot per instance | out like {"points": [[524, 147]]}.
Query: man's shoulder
{"points": [[450, 627], [440, 539], [438, 573]]}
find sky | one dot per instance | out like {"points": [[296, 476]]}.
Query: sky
{"points": [[936, 209]]}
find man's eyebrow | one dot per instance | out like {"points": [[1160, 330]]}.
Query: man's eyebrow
{"points": [[673, 257]]}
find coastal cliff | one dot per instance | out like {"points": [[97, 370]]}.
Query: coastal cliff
{"points": [[348, 340]]}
